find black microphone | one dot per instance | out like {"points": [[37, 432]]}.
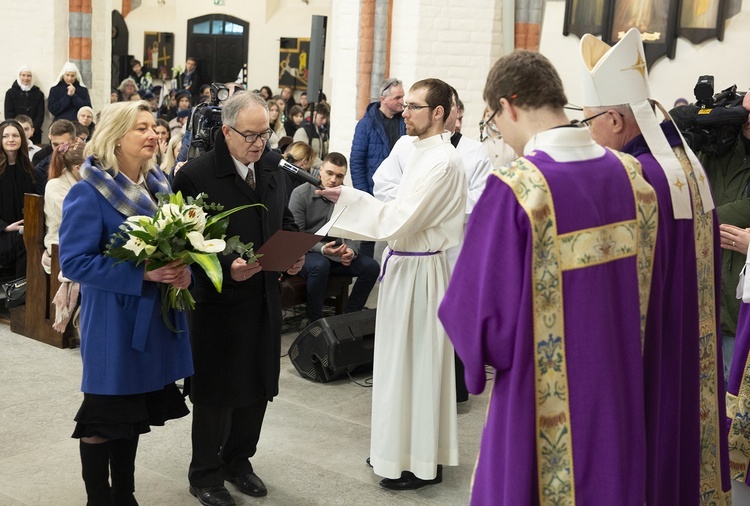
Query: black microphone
{"points": [[275, 158]]}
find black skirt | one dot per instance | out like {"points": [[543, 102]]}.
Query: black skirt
{"points": [[126, 416]]}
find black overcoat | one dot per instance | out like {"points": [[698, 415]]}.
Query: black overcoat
{"points": [[236, 334]]}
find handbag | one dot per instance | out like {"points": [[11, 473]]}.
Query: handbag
{"points": [[15, 292]]}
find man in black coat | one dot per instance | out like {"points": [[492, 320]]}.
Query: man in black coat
{"points": [[235, 334]]}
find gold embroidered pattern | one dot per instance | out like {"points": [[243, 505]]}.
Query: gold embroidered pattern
{"points": [[738, 409], [554, 441], [552, 254], [599, 245], [711, 491], [647, 223]]}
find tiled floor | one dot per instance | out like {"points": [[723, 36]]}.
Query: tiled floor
{"points": [[312, 450]]}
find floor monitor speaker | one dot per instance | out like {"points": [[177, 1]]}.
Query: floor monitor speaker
{"points": [[334, 346]]}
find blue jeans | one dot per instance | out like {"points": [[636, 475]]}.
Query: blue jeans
{"points": [[317, 268]]}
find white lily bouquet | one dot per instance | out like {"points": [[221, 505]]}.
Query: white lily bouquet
{"points": [[180, 230]]}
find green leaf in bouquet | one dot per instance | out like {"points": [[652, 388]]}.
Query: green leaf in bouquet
{"points": [[209, 262], [234, 245]]}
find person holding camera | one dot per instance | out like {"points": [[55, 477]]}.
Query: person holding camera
{"points": [[682, 365], [729, 177]]}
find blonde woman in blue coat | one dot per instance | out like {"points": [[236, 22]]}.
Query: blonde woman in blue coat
{"points": [[131, 359]]}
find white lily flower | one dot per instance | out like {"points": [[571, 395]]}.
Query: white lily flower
{"points": [[136, 245], [194, 218], [201, 244], [137, 222]]}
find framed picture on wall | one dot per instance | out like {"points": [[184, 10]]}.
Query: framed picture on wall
{"points": [[158, 52], [293, 70], [655, 19]]}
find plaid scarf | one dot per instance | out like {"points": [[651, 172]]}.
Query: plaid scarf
{"points": [[121, 192]]}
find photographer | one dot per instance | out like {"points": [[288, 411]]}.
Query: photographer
{"points": [[729, 176], [219, 93]]}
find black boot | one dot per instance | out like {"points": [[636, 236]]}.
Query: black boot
{"points": [[122, 460], [95, 465]]}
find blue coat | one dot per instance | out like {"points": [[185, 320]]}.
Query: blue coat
{"points": [[63, 106], [370, 147], [125, 345]]}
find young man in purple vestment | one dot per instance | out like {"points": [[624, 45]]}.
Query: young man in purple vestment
{"points": [[687, 460], [550, 290]]}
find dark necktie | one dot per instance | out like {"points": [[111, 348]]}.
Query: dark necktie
{"points": [[250, 179]]}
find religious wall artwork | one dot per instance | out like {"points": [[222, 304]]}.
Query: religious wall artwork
{"points": [[699, 20], [659, 21], [293, 55], [158, 53], [584, 16]]}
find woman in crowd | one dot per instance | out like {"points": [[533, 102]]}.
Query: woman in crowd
{"points": [[293, 122], [170, 158], [182, 103], [282, 105], [301, 155], [69, 94], [127, 89], [162, 139], [24, 97], [266, 92], [86, 118], [274, 117], [131, 358], [15, 180], [63, 174]]}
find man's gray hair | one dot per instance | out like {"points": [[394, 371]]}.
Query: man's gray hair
{"points": [[387, 84], [237, 102]]}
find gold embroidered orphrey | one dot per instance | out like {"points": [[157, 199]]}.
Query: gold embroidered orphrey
{"points": [[554, 437]]}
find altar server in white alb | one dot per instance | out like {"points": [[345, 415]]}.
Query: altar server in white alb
{"points": [[414, 399]]}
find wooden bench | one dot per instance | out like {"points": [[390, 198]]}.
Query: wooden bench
{"points": [[35, 319], [294, 292]]}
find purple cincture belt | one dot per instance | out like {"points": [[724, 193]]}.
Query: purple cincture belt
{"points": [[392, 252]]}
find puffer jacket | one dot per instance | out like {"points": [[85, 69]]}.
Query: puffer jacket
{"points": [[370, 147]]}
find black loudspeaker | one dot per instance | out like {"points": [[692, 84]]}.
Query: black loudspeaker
{"points": [[317, 58], [334, 346]]}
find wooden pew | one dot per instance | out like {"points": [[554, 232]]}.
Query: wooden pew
{"points": [[35, 319]]}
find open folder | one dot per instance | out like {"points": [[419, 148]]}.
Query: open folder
{"points": [[285, 247]]}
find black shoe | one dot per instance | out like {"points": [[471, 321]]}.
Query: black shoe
{"points": [[368, 462], [249, 484], [213, 496], [410, 482]]}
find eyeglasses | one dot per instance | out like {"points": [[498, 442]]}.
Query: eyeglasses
{"points": [[413, 107], [392, 82], [250, 138], [587, 121], [491, 126]]}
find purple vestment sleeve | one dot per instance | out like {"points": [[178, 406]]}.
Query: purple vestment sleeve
{"points": [[497, 224]]}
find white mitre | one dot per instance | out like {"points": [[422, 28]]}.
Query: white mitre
{"points": [[617, 75]]}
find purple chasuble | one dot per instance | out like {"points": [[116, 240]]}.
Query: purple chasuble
{"points": [[674, 353], [738, 397], [489, 314]]}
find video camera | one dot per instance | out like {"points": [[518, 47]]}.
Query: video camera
{"points": [[205, 122], [711, 125]]}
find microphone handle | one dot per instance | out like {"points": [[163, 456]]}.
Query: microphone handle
{"points": [[299, 173]]}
